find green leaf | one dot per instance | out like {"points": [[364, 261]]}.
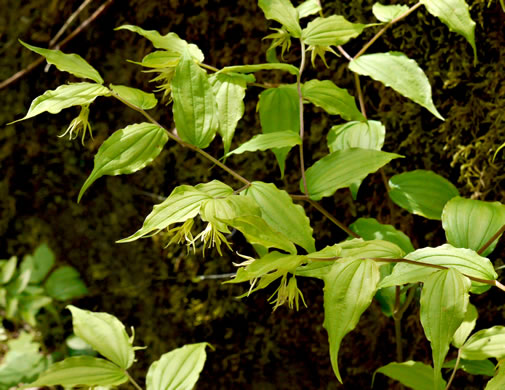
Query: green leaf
{"points": [[126, 151], [8, 270], [342, 168], [229, 90], [470, 223], [177, 369], [170, 41], [18, 285], [257, 231], [364, 135], [455, 15], [81, 370], [281, 139], [386, 13], [422, 192], [279, 211], [348, 291], [371, 229], [135, 96], [42, 262], [195, 107], [484, 344], [183, 203], [215, 189], [65, 283], [397, 71], [71, 63], [466, 327], [334, 30], [279, 110], [444, 301], [498, 381], [465, 261], [159, 59], [106, 335], [283, 12], [473, 367], [334, 100], [308, 7], [257, 67], [415, 375], [65, 96], [233, 206]]}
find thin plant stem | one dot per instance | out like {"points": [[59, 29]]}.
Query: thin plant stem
{"points": [[344, 53], [454, 370], [360, 95], [177, 139], [491, 240], [383, 30], [302, 127], [18, 75], [299, 197], [72, 17], [398, 326], [410, 297], [209, 67], [133, 381], [323, 211]]}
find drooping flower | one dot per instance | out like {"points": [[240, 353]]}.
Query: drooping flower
{"points": [[317, 50], [182, 234], [281, 38], [78, 124], [287, 292], [212, 237]]}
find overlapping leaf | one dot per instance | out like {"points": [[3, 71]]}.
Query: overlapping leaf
{"points": [[308, 7], [81, 370], [71, 63], [281, 139], [422, 192], [65, 96], [178, 369], [257, 67], [348, 291], [170, 41], [195, 107], [229, 89], [342, 168], [334, 100], [135, 96], [386, 13], [466, 326], [455, 14], [397, 71], [415, 375], [65, 283], [283, 12], [279, 211], [465, 261], [371, 229], [334, 30], [444, 302], [126, 151], [485, 344], [364, 135], [470, 223], [105, 334], [183, 203], [498, 381]]}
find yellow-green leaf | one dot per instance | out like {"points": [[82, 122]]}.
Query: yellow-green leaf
{"points": [[126, 151], [334, 30], [283, 12], [415, 375], [485, 344], [135, 96]]}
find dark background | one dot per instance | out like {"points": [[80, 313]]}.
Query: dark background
{"points": [[150, 287]]}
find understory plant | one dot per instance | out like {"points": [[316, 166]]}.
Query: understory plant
{"points": [[377, 261]]}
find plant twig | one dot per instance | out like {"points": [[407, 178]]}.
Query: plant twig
{"points": [[18, 75], [383, 30], [302, 126], [344, 53], [133, 381], [454, 370], [177, 139], [72, 17], [491, 240], [323, 211], [360, 95]]}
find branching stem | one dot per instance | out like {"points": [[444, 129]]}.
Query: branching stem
{"points": [[302, 127], [177, 139], [383, 30]]}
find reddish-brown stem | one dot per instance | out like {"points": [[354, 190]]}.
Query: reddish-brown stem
{"points": [[491, 240], [15, 77], [323, 211]]}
